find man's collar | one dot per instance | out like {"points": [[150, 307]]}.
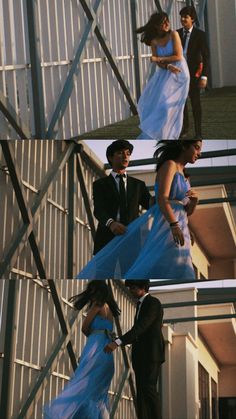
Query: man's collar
{"points": [[114, 174], [144, 296], [189, 30]]}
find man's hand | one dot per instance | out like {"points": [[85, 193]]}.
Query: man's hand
{"points": [[110, 347], [202, 83], [117, 228]]}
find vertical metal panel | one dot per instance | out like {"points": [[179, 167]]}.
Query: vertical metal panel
{"points": [[37, 330]]}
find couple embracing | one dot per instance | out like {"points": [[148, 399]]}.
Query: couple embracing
{"points": [[157, 244], [86, 395]]}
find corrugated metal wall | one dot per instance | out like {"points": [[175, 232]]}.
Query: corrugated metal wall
{"points": [[35, 160], [31, 86], [37, 329]]}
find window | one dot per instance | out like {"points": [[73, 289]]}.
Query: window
{"points": [[204, 410], [214, 400]]}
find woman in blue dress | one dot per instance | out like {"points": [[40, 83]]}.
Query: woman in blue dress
{"points": [[161, 104], [86, 394], [156, 245]]}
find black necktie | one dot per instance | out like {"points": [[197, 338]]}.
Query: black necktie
{"points": [[123, 203], [137, 309], [184, 38]]}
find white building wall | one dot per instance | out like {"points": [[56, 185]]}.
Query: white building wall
{"points": [[227, 381], [222, 32]]}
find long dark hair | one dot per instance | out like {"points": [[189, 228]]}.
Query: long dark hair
{"points": [[152, 28], [99, 291], [170, 150]]}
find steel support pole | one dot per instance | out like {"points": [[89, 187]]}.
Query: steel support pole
{"points": [[71, 216], [36, 71], [9, 350], [136, 48]]}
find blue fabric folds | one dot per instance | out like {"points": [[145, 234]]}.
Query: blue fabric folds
{"points": [[161, 104], [86, 394], [147, 249]]}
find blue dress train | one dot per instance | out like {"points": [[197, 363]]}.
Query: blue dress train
{"points": [[86, 394], [147, 249], [161, 104]]}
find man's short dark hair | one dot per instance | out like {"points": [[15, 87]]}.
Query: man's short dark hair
{"points": [[189, 10], [117, 146], [139, 283]]}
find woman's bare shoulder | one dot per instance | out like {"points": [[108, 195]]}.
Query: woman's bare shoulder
{"points": [[174, 34], [154, 42], [169, 165]]}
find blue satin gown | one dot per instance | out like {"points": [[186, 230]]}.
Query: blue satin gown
{"points": [[161, 104], [147, 249], [86, 394]]}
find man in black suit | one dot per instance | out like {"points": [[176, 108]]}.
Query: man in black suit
{"points": [[196, 53], [147, 348], [117, 197]]}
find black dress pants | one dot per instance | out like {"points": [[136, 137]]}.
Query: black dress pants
{"points": [[148, 402], [194, 95]]}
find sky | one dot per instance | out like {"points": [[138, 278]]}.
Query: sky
{"points": [[145, 148]]}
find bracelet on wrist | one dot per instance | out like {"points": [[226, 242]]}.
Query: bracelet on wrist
{"points": [[109, 222], [175, 224]]}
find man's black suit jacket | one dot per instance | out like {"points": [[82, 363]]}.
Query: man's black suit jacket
{"points": [[146, 334], [197, 51], [106, 205]]}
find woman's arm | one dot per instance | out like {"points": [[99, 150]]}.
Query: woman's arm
{"points": [[93, 311], [177, 48], [165, 178], [154, 58], [193, 201]]}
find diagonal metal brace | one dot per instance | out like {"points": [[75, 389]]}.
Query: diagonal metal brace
{"points": [[24, 230], [15, 121], [22, 200]]}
